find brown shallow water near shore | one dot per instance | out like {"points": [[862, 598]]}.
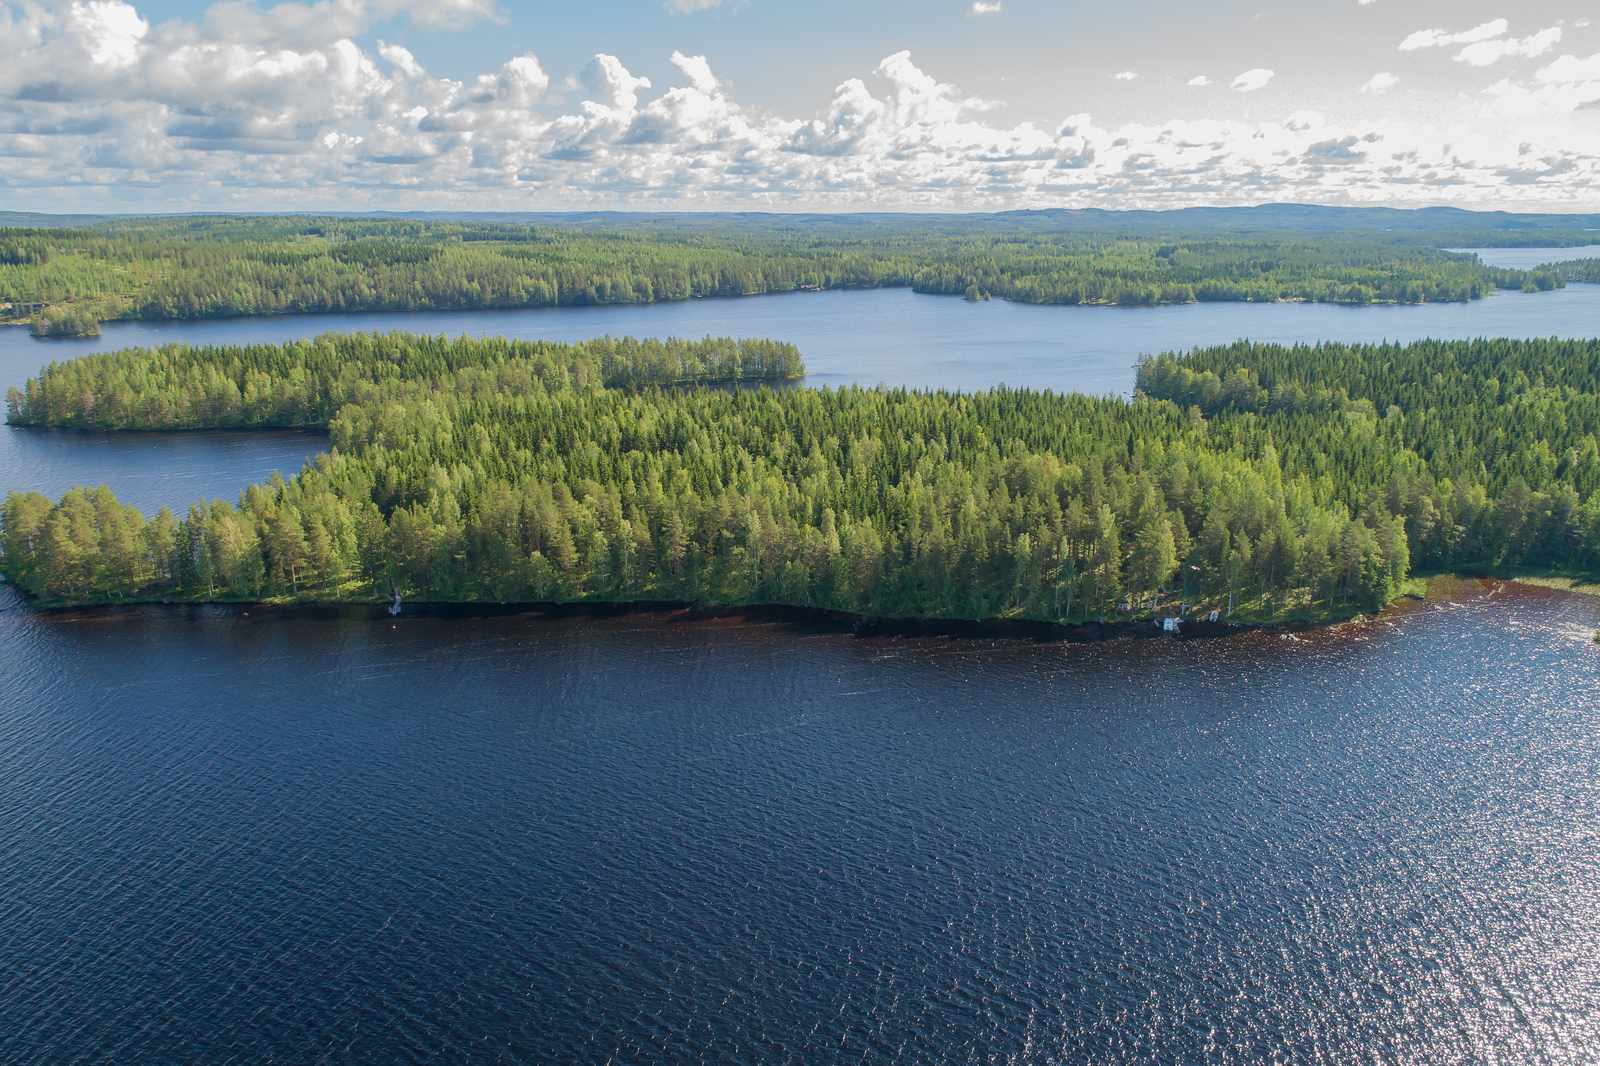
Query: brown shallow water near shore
{"points": [[799, 620]]}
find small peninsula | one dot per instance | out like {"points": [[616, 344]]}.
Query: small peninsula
{"points": [[1262, 481]]}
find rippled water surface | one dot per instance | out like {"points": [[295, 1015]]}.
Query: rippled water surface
{"points": [[264, 837], [230, 838]]}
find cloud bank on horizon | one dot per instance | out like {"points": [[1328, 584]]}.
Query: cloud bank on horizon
{"points": [[281, 108]]}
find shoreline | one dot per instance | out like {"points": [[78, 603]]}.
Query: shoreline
{"points": [[798, 290], [803, 621], [809, 620]]}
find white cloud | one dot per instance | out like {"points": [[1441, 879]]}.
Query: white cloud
{"points": [[1572, 69], [689, 7], [288, 25], [1126, 75], [1437, 38], [1380, 83], [1486, 52], [1485, 43], [100, 106], [985, 7], [1559, 88], [1198, 79], [109, 31], [402, 59], [297, 25], [1251, 80], [439, 14]]}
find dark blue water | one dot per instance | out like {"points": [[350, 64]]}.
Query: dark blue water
{"points": [[279, 838], [147, 470], [889, 335], [267, 838]]}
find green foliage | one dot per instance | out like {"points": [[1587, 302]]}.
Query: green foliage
{"points": [[1259, 476], [1487, 448], [184, 268], [1046, 270], [66, 322], [304, 383], [1584, 270], [19, 250], [459, 472]]}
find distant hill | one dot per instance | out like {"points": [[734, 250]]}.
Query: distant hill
{"points": [[36, 220], [1432, 226]]}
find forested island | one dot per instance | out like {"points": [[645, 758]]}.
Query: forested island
{"points": [[1263, 481], [208, 267]]}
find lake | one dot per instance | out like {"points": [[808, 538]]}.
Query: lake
{"points": [[234, 837], [864, 336], [1528, 258], [244, 836]]}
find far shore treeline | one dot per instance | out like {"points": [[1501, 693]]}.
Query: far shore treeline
{"points": [[209, 267], [1267, 479]]}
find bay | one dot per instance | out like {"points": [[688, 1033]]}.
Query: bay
{"points": [[1528, 258]]}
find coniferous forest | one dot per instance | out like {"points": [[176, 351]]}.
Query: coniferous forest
{"points": [[1250, 478]]}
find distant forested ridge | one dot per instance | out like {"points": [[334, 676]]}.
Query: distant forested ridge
{"points": [[207, 267], [1261, 478]]}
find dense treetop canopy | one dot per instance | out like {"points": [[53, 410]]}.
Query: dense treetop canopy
{"points": [[1248, 477], [304, 383]]}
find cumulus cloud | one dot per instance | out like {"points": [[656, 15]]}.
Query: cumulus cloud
{"points": [[1380, 83], [1564, 86], [985, 7], [1251, 80], [1572, 69], [1198, 79], [109, 32], [402, 58], [689, 7], [100, 104], [1126, 75]]}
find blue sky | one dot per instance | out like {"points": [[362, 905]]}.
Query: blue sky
{"points": [[826, 105]]}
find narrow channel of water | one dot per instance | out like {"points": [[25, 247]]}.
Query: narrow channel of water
{"points": [[1528, 258]]}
